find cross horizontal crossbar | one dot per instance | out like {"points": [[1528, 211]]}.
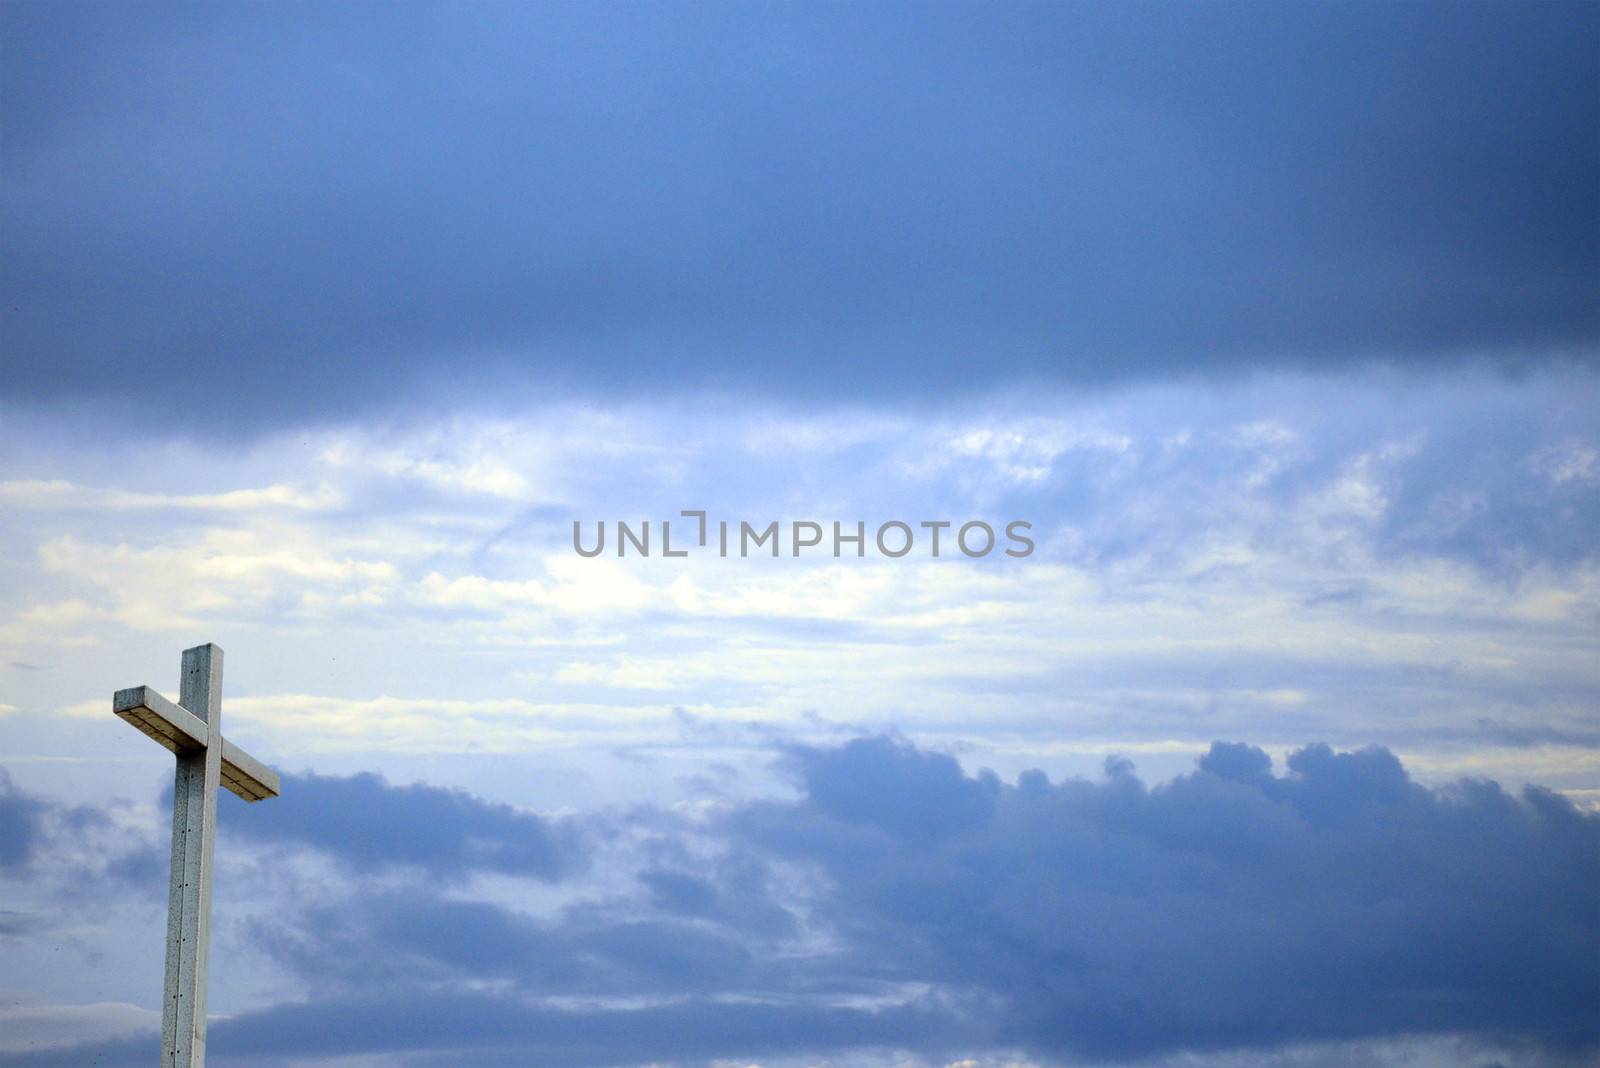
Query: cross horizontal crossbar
{"points": [[175, 728]]}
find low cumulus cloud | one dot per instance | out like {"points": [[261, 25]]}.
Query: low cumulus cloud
{"points": [[898, 902], [1228, 908], [368, 824]]}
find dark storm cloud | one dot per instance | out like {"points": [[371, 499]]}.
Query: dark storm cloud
{"points": [[418, 938], [21, 823], [30, 826], [366, 823], [1231, 908], [488, 1030], [311, 208]]}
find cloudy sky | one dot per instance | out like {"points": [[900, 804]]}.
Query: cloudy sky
{"points": [[1278, 324]]}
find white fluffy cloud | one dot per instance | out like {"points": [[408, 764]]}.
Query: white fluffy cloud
{"points": [[1199, 558]]}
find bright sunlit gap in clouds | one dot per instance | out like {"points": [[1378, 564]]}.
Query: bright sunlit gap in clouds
{"points": [[1248, 567]]}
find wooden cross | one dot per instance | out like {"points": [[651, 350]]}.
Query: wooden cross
{"points": [[192, 729]]}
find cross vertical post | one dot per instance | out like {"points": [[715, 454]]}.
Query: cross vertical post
{"points": [[194, 829], [192, 730]]}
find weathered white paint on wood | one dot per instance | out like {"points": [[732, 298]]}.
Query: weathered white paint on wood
{"points": [[178, 730], [192, 731]]}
